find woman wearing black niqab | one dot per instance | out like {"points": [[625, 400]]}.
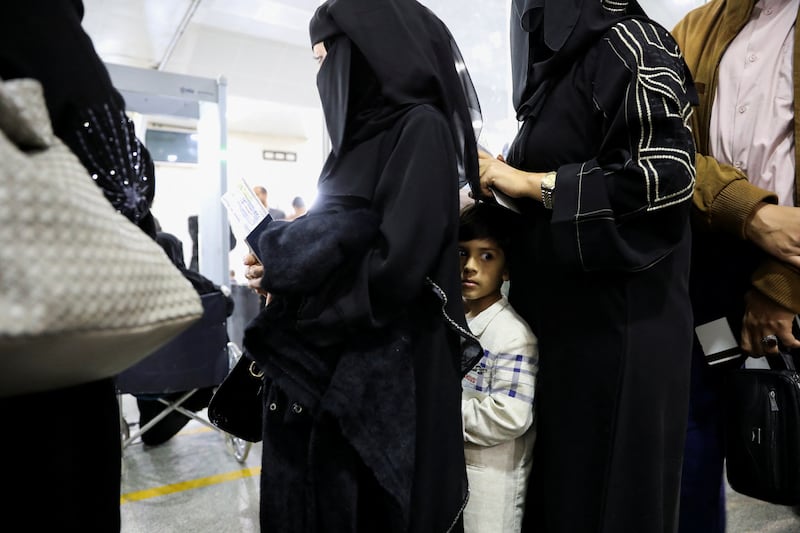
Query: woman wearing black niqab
{"points": [[603, 168], [364, 342], [72, 482], [44, 40]]}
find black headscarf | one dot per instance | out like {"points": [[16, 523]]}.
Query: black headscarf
{"points": [[87, 112], [172, 246], [548, 35], [398, 54]]}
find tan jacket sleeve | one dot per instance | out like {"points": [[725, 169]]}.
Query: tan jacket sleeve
{"points": [[724, 198], [780, 282]]}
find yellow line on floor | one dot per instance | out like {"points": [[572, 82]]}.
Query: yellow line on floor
{"points": [[189, 485], [195, 430]]}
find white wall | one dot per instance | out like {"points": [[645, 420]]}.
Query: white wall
{"points": [[284, 180], [177, 195], [668, 13]]}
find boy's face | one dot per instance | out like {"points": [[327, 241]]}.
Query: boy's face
{"points": [[483, 271]]}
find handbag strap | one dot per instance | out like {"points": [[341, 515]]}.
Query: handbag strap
{"points": [[24, 118], [788, 360]]}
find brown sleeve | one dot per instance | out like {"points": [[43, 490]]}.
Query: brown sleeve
{"points": [[724, 197], [780, 282]]}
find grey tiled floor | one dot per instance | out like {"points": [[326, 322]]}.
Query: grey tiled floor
{"points": [[194, 484], [746, 515]]}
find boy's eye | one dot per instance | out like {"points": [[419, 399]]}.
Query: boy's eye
{"points": [[487, 256], [462, 252]]}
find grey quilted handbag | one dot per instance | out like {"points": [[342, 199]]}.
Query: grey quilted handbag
{"points": [[84, 293]]}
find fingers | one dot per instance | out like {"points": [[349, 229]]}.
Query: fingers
{"points": [[254, 272], [250, 259], [762, 341], [255, 285], [486, 184], [788, 340], [753, 346], [766, 326], [486, 176]]}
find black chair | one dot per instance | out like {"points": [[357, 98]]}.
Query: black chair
{"points": [[198, 358]]}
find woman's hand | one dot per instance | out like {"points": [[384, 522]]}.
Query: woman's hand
{"points": [[495, 173], [253, 272]]}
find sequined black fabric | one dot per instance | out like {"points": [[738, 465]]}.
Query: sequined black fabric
{"points": [[105, 141]]}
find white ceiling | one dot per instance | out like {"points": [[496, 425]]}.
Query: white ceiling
{"points": [[258, 46], [261, 47]]}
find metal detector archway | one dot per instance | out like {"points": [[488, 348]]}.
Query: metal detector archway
{"points": [[155, 92]]}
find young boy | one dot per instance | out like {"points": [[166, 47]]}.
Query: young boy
{"points": [[497, 398]]}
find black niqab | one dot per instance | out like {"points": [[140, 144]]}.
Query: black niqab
{"points": [[385, 57], [398, 54], [548, 35]]}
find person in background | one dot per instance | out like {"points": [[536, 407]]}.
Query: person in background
{"points": [[365, 342], [602, 169], [299, 207], [744, 56], [193, 226], [261, 192], [64, 468], [498, 393]]}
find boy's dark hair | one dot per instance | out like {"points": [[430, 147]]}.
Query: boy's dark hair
{"points": [[483, 220]]}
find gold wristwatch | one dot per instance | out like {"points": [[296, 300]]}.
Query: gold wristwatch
{"points": [[548, 186]]}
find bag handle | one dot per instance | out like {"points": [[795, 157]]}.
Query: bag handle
{"points": [[786, 357], [24, 118]]}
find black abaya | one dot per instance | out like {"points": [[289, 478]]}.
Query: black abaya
{"points": [[365, 341], [605, 285]]}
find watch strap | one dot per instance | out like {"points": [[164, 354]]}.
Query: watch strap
{"points": [[548, 186]]}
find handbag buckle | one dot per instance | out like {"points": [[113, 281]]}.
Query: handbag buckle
{"points": [[255, 371]]}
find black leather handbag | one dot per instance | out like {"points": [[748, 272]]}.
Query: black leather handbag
{"points": [[762, 431], [237, 406]]}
